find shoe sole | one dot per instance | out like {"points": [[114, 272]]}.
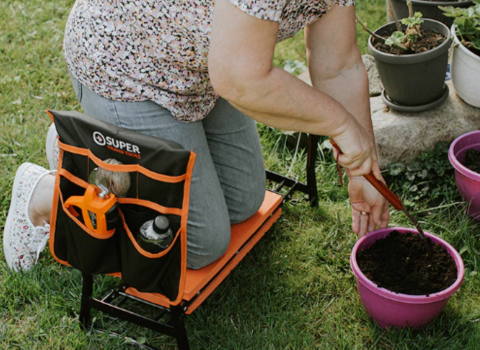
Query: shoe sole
{"points": [[50, 146], [11, 214]]}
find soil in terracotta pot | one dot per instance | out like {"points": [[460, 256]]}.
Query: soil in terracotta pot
{"points": [[430, 40], [402, 264], [472, 160]]}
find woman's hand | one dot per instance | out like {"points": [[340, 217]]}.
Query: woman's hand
{"points": [[357, 150], [366, 199]]}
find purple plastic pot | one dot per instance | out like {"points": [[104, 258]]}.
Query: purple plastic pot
{"points": [[468, 182], [401, 310]]}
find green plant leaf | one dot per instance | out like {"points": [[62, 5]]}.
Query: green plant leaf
{"points": [[470, 12], [412, 38], [476, 43], [441, 147], [395, 169], [423, 174], [477, 10], [466, 26], [440, 171], [410, 176], [395, 39], [450, 11], [459, 21], [413, 21], [414, 166]]}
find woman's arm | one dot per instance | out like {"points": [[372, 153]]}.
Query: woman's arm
{"points": [[336, 68], [240, 66], [335, 63]]}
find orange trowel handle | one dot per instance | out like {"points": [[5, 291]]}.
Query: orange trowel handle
{"points": [[385, 191], [91, 202], [380, 186]]}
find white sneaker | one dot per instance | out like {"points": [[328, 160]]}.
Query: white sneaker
{"points": [[22, 241], [52, 147]]}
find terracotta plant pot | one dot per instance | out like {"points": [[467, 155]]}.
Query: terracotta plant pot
{"points": [[391, 309], [416, 80]]}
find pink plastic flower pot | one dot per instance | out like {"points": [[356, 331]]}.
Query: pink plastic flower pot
{"points": [[401, 310], [468, 182]]}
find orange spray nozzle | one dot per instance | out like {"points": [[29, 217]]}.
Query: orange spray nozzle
{"points": [[92, 204]]}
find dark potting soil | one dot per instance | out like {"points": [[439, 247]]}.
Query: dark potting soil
{"points": [[475, 51], [402, 264], [429, 40], [472, 160]]}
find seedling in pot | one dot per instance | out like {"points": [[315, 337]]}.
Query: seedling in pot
{"points": [[398, 39], [467, 22], [403, 41]]}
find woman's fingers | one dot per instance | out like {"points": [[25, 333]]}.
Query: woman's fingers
{"points": [[358, 163], [372, 223], [364, 169], [385, 218], [336, 153], [376, 217], [357, 151], [364, 217], [356, 221], [376, 170], [360, 218]]}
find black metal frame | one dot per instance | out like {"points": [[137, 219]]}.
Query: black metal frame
{"points": [[176, 326]]}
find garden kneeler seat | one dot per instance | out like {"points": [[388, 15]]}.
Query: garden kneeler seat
{"points": [[200, 283], [157, 174]]}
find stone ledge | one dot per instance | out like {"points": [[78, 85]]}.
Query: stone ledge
{"points": [[403, 136]]}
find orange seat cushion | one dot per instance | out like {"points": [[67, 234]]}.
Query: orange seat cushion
{"points": [[196, 280]]}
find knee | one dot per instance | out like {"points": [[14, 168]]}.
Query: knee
{"points": [[250, 200], [210, 243]]}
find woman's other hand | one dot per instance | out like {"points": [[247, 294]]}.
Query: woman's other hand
{"points": [[370, 209]]}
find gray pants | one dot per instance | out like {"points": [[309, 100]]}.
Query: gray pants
{"points": [[228, 182]]}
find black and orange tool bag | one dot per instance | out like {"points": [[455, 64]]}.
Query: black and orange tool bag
{"points": [[158, 176]]}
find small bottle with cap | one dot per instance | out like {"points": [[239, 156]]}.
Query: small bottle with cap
{"points": [[155, 235]]}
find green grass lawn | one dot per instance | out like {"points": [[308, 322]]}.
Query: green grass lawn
{"points": [[294, 290]]}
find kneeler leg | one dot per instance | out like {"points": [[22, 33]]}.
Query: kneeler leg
{"points": [[178, 322], [87, 290], [311, 177]]}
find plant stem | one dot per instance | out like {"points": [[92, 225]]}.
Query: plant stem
{"points": [[364, 26], [391, 11], [376, 36], [410, 8]]}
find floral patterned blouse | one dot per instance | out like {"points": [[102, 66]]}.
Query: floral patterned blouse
{"points": [[137, 50]]}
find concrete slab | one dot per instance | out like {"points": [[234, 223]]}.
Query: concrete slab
{"points": [[403, 136]]}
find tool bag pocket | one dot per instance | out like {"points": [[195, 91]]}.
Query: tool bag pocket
{"points": [[154, 177], [144, 270], [78, 245]]}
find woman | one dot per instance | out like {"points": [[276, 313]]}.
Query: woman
{"points": [[200, 74]]}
